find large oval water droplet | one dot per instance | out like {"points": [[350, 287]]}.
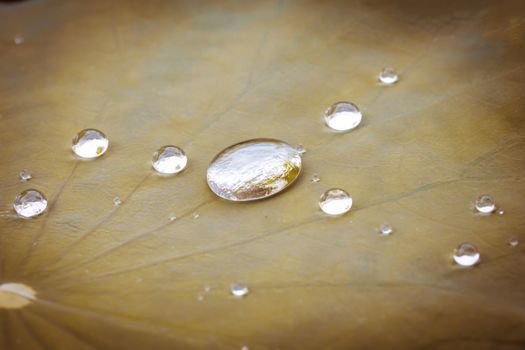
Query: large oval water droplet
{"points": [[253, 169]]}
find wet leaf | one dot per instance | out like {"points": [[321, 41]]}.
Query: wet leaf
{"points": [[204, 76]]}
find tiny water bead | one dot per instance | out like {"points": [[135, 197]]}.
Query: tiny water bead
{"points": [[388, 76], [342, 116], [315, 178], [90, 143], [253, 169], [117, 201], [25, 175], [300, 149], [169, 160], [513, 242], [386, 229], [19, 39], [195, 215], [466, 254], [501, 212], [485, 204], [335, 201], [172, 217], [30, 203], [239, 289]]}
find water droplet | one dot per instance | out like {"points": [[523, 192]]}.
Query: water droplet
{"points": [[30, 203], [173, 217], [90, 143], [513, 242], [501, 212], [388, 76], [16, 295], [315, 178], [300, 149], [25, 175], [117, 201], [253, 169], [466, 254], [207, 289], [342, 116], [386, 229], [200, 297], [239, 289], [19, 39], [335, 201], [195, 215], [169, 160], [485, 204], [245, 348]]}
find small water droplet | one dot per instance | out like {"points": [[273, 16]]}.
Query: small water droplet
{"points": [[501, 212], [90, 143], [200, 297], [485, 204], [239, 289], [315, 178], [388, 76], [513, 242], [169, 160], [335, 201], [466, 254], [30, 203], [386, 229], [253, 169], [245, 348], [173, 217], [342, 116], [25, 175], [117, 201], [195, 215], [19, 39], [300, 149], [207, 289]]}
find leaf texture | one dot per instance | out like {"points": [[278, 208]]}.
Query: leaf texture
{"points": [[206, 75]]}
